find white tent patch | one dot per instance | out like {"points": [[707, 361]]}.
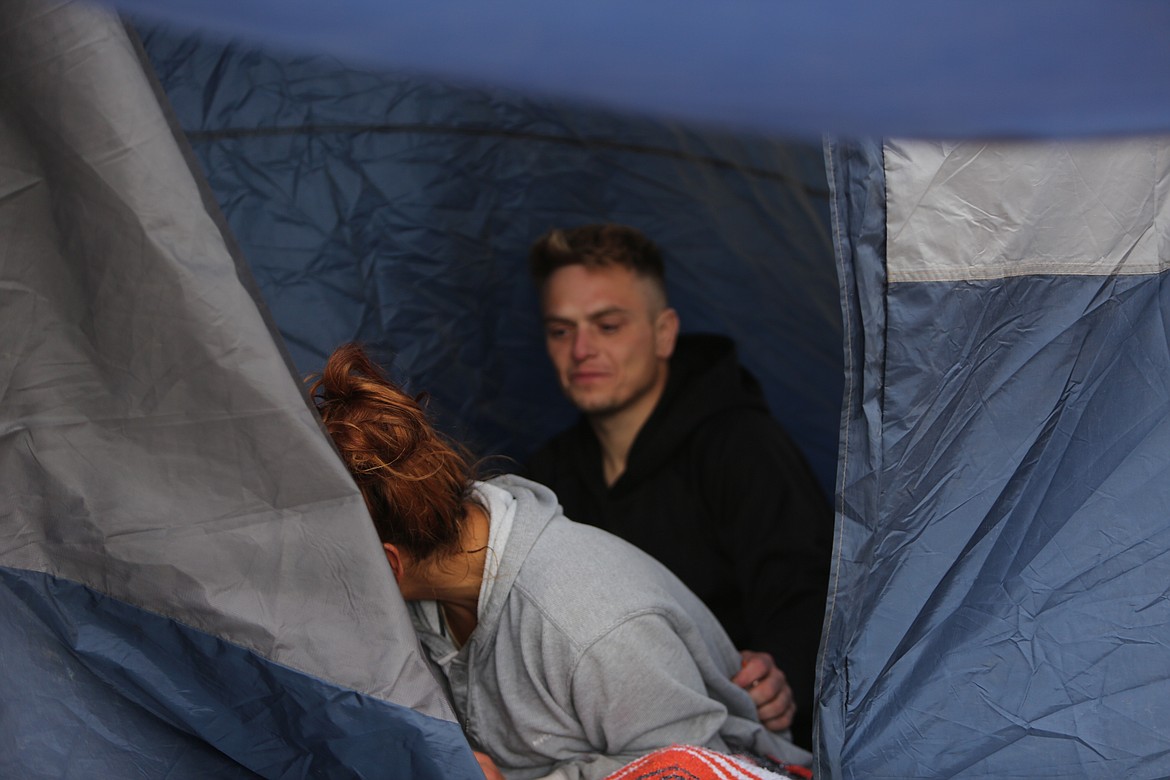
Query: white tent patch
{"points": [[991, 210]]}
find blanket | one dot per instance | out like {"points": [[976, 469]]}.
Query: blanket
{"points": [[687, 762]]}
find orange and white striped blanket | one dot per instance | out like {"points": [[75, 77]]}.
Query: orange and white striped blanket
{"points": [[686, 762]]}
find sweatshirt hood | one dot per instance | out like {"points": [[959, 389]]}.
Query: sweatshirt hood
{"points": [[536, 507], [705, 381]]}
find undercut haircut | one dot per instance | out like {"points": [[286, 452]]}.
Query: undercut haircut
{"points": [[595, 246]]}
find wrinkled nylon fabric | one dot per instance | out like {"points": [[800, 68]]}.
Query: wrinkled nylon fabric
{"points": [[1113, 196], [399, 212], [857, 181], [999, 599], [852, 68], [110, 690], [156, 449]]}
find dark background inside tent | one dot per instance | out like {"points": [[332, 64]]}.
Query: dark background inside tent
{"points": [[398, 212]]}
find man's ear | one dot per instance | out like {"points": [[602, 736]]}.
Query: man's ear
{"points": [[395, 559], [665, 333]]}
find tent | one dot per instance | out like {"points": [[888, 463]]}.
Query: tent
{"points": [[191, 586]]}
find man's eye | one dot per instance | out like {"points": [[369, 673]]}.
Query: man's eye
{"points": [[556, 333], [609, 327]]}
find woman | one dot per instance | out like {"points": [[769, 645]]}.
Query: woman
{"points": [[566, 651]]}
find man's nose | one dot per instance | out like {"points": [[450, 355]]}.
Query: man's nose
{"points": [[582, 344]]}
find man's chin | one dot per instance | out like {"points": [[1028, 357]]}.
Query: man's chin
{"points": [[591, 405]]}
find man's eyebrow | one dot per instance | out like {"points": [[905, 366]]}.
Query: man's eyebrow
{"points": [[609, 310]]}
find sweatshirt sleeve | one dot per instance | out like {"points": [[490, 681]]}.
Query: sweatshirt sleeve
{"points": [[775, 526], [636, 689]]}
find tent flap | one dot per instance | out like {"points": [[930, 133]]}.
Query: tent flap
{"points": [[179, 541], [999, 596]]}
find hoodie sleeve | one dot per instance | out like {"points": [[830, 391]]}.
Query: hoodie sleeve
{"points": [[775, 527], [639, 688]]}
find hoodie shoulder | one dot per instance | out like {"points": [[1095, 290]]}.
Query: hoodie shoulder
{"points": [[705, 373], [706, 381]]}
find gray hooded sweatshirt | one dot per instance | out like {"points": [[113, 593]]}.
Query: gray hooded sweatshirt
{"points": [[588, 653]]}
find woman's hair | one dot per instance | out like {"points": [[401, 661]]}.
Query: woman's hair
{"points": [[416, 483]]}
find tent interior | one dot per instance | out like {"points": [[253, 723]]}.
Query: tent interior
{"points": [[193, 222], [399, 212]]}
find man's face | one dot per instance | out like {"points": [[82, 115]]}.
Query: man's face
{"points": [[608, 335]]}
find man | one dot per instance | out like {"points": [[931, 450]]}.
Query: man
{"points": [[677, 453]]}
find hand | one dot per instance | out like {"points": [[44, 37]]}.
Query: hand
{"points": [[489, 768], [768, 687]]}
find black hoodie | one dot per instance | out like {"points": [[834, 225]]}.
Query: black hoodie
{"points": [[715, 489]]}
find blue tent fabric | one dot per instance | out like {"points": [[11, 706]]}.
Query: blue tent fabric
{"points": [[797, 69], [857, 180], [998, 604], [398, 212], [72, 722], [121, 692], [189, 583]]}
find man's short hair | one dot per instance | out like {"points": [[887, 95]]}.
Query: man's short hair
{"points": [[594, 246]]}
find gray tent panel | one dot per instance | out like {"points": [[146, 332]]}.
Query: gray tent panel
{"points": [[158, 455]]}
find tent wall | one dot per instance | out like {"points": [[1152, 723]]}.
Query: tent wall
{"points": [[190, 585], [796, 70], [184, 560], [399, 211], [999, 606]]}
